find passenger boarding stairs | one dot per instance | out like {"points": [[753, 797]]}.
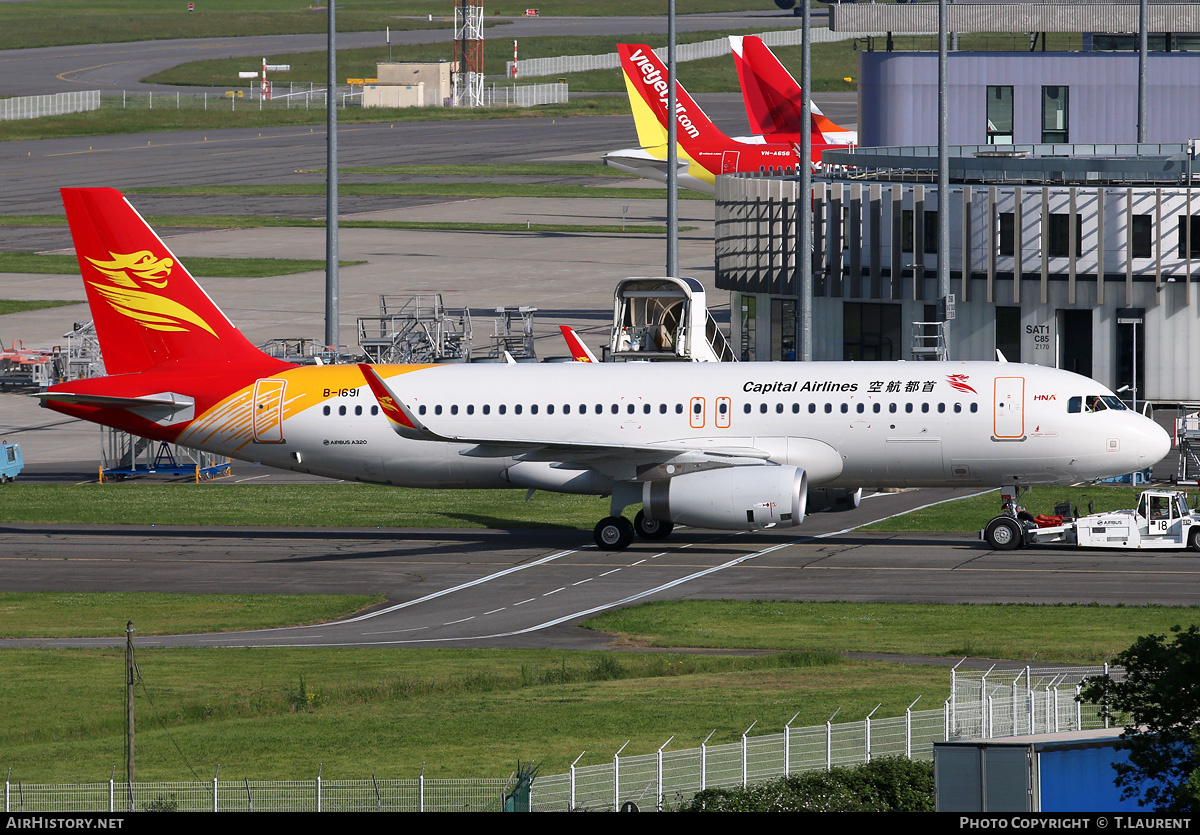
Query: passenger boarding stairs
{"points": [[1187, 440], [665, 319], [929, 341]]}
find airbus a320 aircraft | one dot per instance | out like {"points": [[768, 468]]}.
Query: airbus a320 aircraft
{"points": [[772, 97], [734, 446], [704, 151]]}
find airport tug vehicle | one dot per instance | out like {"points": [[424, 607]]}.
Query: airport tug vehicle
{"points": [[1162, 519]]}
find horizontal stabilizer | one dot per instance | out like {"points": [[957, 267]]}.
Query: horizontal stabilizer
{"points": [[166, 400]]}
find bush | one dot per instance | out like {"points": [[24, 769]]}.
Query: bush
{"points": [[890, 784]]}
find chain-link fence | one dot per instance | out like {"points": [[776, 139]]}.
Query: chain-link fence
{"points": [[982, 704]]}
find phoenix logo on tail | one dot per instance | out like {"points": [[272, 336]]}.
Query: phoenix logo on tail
{"points": [[149, 308]]}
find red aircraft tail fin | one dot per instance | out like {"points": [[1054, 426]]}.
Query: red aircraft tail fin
{"points": [[147, 308], [646, 82], [772, 95]]}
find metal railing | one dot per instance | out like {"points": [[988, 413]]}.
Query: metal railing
{"points": [[531, 67], [55, 104]]}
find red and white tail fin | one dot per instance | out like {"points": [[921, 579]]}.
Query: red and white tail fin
{"points": [[147, 308], [772, 95], [646, 83], [579, 351]]}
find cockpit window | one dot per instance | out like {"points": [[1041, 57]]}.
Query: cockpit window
{"points": [[1075, 405], [1097, 403]]}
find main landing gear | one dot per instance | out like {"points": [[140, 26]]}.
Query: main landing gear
{"points": [[615, 533]]}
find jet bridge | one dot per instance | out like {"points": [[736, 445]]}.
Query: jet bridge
{"points": [[665, 319]]}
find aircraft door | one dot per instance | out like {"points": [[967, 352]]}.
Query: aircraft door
{"points": [[729, 161], [1008, 420], [696, 413], [267, 405]]}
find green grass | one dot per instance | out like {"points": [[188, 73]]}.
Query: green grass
{"points": [[111, 119], [971, 514], [428, 189], [531, 169], [1052, 633], [81, 615], [322, 505], [57, 22], [13, 306], [282, 713], [252, 222], [27, 262]]}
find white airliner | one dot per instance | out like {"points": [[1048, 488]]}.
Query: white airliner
{"points": [[735, 446]]}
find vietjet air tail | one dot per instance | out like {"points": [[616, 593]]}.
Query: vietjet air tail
{"points": [[772, 97], [733, 446], [704, 151]]}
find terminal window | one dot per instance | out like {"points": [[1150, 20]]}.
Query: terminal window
{"points": [[1054, 114], [1141, 236], [1000, 115], [1058, 244], [1192, 247], [929, 234]]}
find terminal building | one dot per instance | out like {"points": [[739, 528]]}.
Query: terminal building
{"points": [[1080, 257], [1071, 244]]}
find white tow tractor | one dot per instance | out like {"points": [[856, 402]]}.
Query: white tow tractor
{"points": [[1161, 520]]}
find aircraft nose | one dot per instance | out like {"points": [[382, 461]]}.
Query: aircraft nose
{"points": [[1153, 443]]}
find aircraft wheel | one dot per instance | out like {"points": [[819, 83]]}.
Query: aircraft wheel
{"points": [[1003, 533], [651, 528], [613, 533]]}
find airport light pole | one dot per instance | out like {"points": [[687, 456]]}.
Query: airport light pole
{"points": [[332, 335], [804, 347], [943, 182], [672, 151]]}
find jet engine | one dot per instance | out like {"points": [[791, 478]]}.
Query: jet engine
{"points": [[731, 498], [833, 499]]}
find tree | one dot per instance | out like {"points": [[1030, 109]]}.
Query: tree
{"points": [[1158, 699]]}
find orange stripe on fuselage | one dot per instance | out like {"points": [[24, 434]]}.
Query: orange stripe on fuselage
{"points": [[230, 422]]}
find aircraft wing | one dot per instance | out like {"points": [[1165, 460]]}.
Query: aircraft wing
{"points": [[618, 460]]}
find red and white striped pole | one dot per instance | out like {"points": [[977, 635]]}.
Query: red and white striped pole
{"points": [[514, 75]]}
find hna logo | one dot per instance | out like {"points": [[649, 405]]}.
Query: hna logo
{"points": [[1044, 397]]}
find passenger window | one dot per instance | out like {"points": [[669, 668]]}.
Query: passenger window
{"points": [[437, 410], [924, 407], [516, 409], [503, 408], [615, 408], [487, 409], [746, 408], [342, 410], [358, 410], [845, 408], [974, 407], [762, 408], [374, 410], [861, 408], [662, 408], [878, 408], [327, 410], [646, 409], [453, 410], [629, 408], [795, 408], [892, 408], [533, 409], [779, 408], [471, 409], [908, 407], [679, 408], [812, 408], [941, 407], [957, 408], [828, 408]]}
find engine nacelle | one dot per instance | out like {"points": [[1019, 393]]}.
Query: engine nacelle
{"points": [[833, 499], [732, 498]]}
